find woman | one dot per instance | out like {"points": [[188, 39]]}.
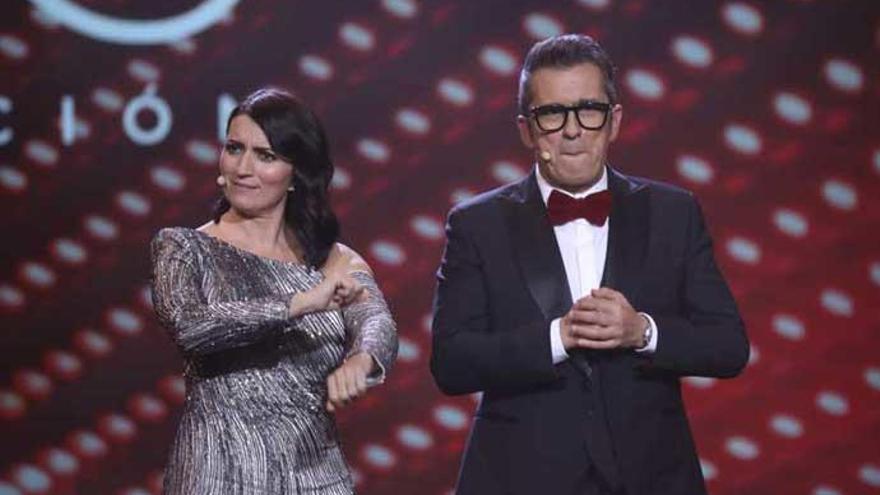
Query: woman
{"points": [[279, 325]]}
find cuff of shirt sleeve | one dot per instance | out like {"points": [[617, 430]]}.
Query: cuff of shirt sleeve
{"points": [[651, 346], [557, 348]]}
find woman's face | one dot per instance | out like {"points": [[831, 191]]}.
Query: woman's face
{"points": [[256, 177]]}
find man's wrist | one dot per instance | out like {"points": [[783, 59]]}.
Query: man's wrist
{"points": [[646, 331], [557, 344], [650, 336]]}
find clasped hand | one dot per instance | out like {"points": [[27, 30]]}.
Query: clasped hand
{"points": [[602, 320]]}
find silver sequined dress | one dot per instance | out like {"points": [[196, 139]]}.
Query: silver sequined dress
{"points": [[254, 420]]}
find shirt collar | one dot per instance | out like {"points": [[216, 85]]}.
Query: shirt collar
{"points": [[546, 188]]}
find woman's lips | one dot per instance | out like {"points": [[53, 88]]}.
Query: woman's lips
{"points": [[245, 186]]}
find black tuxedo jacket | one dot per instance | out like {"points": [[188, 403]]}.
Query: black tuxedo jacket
{"points": [[502, 282]]}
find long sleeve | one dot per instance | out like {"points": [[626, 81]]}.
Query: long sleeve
{"points": [[371, 327], [706, 338], [468, 354], [199, 327]]}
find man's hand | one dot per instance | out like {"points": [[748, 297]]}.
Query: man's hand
{"points": [[602, 320]]}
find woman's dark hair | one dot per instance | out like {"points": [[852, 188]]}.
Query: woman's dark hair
{"points": [[295, 134]]}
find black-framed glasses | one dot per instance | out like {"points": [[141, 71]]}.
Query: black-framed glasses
{"points": [[590, 115]]}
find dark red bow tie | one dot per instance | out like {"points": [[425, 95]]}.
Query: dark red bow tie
{"points": [[562, 208]]}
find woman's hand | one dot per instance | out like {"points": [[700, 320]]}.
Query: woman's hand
{"points": [[336, 291], [347, 291], [349, 381]]}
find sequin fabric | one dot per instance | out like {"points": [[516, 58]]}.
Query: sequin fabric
{"points": [[254, 420]]}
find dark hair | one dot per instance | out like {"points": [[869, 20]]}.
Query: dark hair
{"points": [[562, 52], [295, 133]]}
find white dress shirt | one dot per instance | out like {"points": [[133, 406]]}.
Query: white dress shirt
{"points": [[583, 247]]}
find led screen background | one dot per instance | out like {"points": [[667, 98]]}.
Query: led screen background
{"points": [[768, 111]]}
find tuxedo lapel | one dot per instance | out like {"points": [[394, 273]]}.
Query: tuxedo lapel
{"points": [[536, 250], [628, 228]]}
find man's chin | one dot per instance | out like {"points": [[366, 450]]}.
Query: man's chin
{"points": [[576, 185]]}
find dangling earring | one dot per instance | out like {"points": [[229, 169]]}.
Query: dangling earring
{"points": [[290, 189], [221, 181]]}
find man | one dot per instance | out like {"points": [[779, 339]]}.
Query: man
{"points": [[574, 300]]}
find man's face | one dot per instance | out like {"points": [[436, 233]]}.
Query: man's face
{"points": [[577, 155]]}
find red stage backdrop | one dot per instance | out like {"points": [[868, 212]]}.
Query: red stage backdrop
{"points": [[110, 116]]}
